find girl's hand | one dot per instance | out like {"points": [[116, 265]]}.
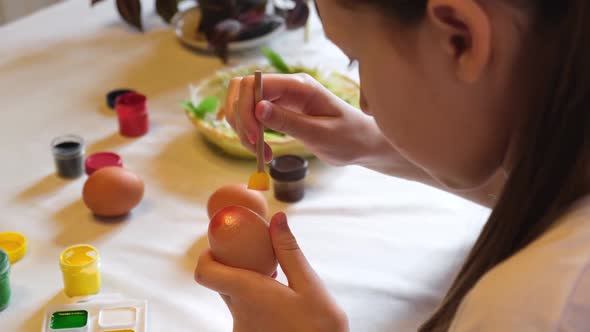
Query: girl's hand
{"points": [[259, 303], [299, 106]]}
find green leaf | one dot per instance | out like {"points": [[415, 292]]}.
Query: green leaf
{"points": [[207, 105], [276, 60], [189, 107]]}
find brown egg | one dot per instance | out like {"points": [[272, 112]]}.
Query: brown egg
{"points": [[239, 237], [237, 194], [112, 191]]}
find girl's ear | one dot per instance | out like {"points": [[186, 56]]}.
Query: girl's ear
{"points": [[464, 31]]}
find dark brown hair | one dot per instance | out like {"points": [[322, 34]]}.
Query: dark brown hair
{"points": [[551, 163]]}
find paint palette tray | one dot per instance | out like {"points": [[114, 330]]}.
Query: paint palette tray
{"points": [[101, 314]]}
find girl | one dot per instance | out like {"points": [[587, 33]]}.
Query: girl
{"points": [[489, 99]]}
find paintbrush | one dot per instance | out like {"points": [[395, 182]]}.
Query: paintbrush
{"points": [[259, 180]]}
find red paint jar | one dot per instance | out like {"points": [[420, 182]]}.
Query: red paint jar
{"points": [[99, 160], [133, 114]]}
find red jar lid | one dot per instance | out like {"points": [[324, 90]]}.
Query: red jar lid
{"points": [[100, 160]]}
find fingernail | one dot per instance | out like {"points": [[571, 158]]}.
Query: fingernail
{"points": [[264, 110]]}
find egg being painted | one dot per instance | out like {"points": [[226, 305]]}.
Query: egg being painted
{"points": [[112, 191], [239, 237], [237, 194]]}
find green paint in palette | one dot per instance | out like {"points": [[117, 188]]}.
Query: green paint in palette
{"points": [[4, 280], [62, 320]]}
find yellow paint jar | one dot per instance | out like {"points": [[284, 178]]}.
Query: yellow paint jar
{"points": [[80, 266], [14, 244]]}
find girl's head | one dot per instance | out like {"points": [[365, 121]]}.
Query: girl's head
{"points": [[467, 88], [444, 78]]}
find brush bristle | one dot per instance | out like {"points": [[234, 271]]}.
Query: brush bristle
{"points": [[259, 181]]}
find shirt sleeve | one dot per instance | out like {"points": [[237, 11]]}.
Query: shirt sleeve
{"points": [[496, 304]]}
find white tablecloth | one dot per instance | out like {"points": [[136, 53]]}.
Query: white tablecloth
{"points": [[386, 248]]}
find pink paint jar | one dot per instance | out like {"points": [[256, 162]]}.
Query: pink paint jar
{"points": [[133, 114], [99, 160]]}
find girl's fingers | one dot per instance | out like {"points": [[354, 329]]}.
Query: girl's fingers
{"points": [[227, 300], [294, 91], [292, 260], [301, 126], [245, 111], [233, 93], [220, 278], [234, 282], [243, 139]]}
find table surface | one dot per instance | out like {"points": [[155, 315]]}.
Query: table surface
{"points": [[386, 248]]}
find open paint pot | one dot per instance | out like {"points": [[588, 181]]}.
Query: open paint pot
{"points": [[68, 153], [70, 321], [4, 280], [99, 160], [114, 94], [132, 113], [288, 173], [80, 266]]}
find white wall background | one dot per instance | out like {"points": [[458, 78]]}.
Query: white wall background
{"points": [[13, 9]]}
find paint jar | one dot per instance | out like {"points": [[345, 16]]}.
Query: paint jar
{"points": [[132, 114], [80, 266], [114, 94], [14, 245], [99, 160], [68, 153], [4, 280], [288, 173]]}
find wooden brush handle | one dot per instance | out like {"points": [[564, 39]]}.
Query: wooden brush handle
{"points": [[260, 144]]}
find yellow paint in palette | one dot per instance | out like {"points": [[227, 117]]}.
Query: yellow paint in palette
{"points": [[80, 268]]}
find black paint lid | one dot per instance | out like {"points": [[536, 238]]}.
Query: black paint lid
{"points": [[288, 168]]}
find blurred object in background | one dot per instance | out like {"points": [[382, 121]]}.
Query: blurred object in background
{"points": [[11, 10], [222, 22]]}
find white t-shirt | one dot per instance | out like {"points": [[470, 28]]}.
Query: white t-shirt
{"points": [[544, 287]]}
